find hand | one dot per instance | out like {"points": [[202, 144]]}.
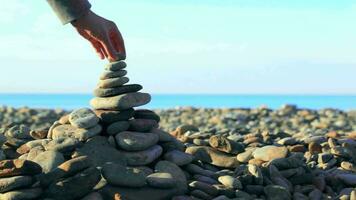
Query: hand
{"points": [[103, 34]]}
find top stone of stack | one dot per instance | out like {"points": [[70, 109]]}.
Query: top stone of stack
{"points": [[112, 92]]}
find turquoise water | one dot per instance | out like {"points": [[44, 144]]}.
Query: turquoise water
{"points": [[71, 101]]}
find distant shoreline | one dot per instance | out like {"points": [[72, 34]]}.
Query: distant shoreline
{"points": [[164, 101]]}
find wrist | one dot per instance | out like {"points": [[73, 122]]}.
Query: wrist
{"points": [[81, 19]]}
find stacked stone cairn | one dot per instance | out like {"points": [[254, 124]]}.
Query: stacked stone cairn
{"points": [[110, 152]]}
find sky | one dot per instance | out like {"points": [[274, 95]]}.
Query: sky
{"points": [[191, 46]]}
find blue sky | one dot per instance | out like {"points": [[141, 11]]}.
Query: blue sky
{"points": [[200, 46]]}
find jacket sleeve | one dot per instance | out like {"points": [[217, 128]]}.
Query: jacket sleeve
{"points": [[69, 10]]}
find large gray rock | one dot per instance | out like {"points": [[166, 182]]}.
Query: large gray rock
{"points": [[119, 175], [99, 151], [83, 118], [66, 130], [49, 160], [135, 141], [73, 187], [276, 192], [109, 92], [121, 102], [140, 158], [63, 145], [19, 132]]}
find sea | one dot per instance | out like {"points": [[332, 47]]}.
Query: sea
{"points": [[164, 101]]}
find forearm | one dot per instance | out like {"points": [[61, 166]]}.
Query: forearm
{"points": [[69, 10]]}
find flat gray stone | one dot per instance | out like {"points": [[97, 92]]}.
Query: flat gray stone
{"points": [[161, 180], [115, 66], [111, 116], [140, 158], [270, 152], [113, 82], [117, 127], [119, 175], [109, 92], [136, 141], [83, 118], [12, 183], [112, 74], [121, 102]]}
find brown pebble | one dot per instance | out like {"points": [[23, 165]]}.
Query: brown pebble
{"points": [[256, 162], [297, 148], [314, 147]]}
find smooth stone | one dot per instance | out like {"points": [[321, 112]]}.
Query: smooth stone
{"points": [[22, 194], [223, 144], [121, 102], [118, 175], [146, 114], [62, 145], [270, 152], [2, 139], [117, 127], [161, 180], [54, 125], [113, 82], [230, 182], [163, 135], [83, 118], [100, 152], [15, 182], [277, 192], [256, 172], [74, 187], [136, 141], [19, 132], [198, 194], [212, 156], [175, 171], [73, 132], [49, 160], [178, 157], [115, 66], [109, 92], [140, 158], [112, 74], [207, 188], [244, 157], [18, 167], [142, 125], [34, 152], [109, 116], [66, 169], [37, 134]]}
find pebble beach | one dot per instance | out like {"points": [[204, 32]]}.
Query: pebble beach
{"points": [[117, 150], [257, 153]]}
